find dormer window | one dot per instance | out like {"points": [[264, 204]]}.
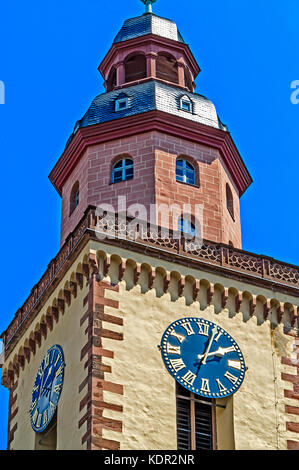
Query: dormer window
{"points": [[186, 104], [121, 103]]}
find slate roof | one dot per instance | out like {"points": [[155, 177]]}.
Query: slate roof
{"points": [[148, 24], [149, 96]]}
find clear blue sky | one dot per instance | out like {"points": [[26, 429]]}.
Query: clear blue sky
{"points": [[249, 55]]}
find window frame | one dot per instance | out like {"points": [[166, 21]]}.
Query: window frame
{"points": [[192, 399], [123, 168], [229, 201], [185, 170], [186, 100], [119, 101], [74, 197], [180, 226]]}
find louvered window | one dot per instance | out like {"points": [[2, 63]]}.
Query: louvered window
{"points": [[195, 421]]}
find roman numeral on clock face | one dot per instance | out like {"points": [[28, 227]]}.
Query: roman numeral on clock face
{"points": [[33, 404], [221, 387], [177, 364], [57, 388], [35, 416], [178, 336], [59, 371], [203, 329], [45, 417], [231, 377], [39, 420], [52, 407], [205, 385], [188, 328], [234, 364], [218, 336], [173, 349], [47, 360], [189, 377]]}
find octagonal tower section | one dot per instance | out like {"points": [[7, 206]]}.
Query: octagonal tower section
{"points": [[152, 141]]}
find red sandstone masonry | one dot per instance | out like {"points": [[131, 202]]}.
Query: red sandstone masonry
{"points": [[211, 180], [292, 394], [11, 415], [154, 155], [94, 356]]}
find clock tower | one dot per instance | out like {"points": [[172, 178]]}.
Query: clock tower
{"points": [[152, 328]]}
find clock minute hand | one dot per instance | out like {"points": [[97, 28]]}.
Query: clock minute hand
{"points": [[214, 331], [220, 352], [45, 381]]}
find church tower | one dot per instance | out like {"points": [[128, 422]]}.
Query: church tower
{"points": [[151, 139], [135, 338]]}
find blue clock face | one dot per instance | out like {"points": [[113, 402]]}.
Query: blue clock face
{"points": [[47, 389], [203, 357]]}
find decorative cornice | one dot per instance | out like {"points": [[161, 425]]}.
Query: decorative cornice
{"points": [[212, 257], [147, 122]]}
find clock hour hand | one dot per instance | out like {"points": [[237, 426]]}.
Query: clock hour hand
{"points": [[45, 381], [220, 352]]}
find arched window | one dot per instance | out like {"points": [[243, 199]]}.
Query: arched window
{"points": [[229, 200], [166, 68], [135, 68], [185, 172], [75, 197], [111, 81], [186, 226], [122, 170]]}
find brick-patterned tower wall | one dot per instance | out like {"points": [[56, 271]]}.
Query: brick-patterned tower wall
{"points": [[209, 191], [94, 175], [154, 155], [231, 226], [70, 220]]}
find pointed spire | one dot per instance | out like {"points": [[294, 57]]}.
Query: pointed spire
{"points": [[148, 5]]}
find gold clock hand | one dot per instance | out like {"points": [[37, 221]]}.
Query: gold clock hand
{"points": [[220, 352], [49, 371], [214, 331]]}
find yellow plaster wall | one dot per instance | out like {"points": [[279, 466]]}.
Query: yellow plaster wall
{"points": [[254, 417], [70, 336]]}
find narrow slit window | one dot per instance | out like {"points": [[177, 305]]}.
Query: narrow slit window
{"points": [[75, 197], [229, 201]]}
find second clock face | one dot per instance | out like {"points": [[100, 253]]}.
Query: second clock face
{"points": [[203, 357], [47, 389]]}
